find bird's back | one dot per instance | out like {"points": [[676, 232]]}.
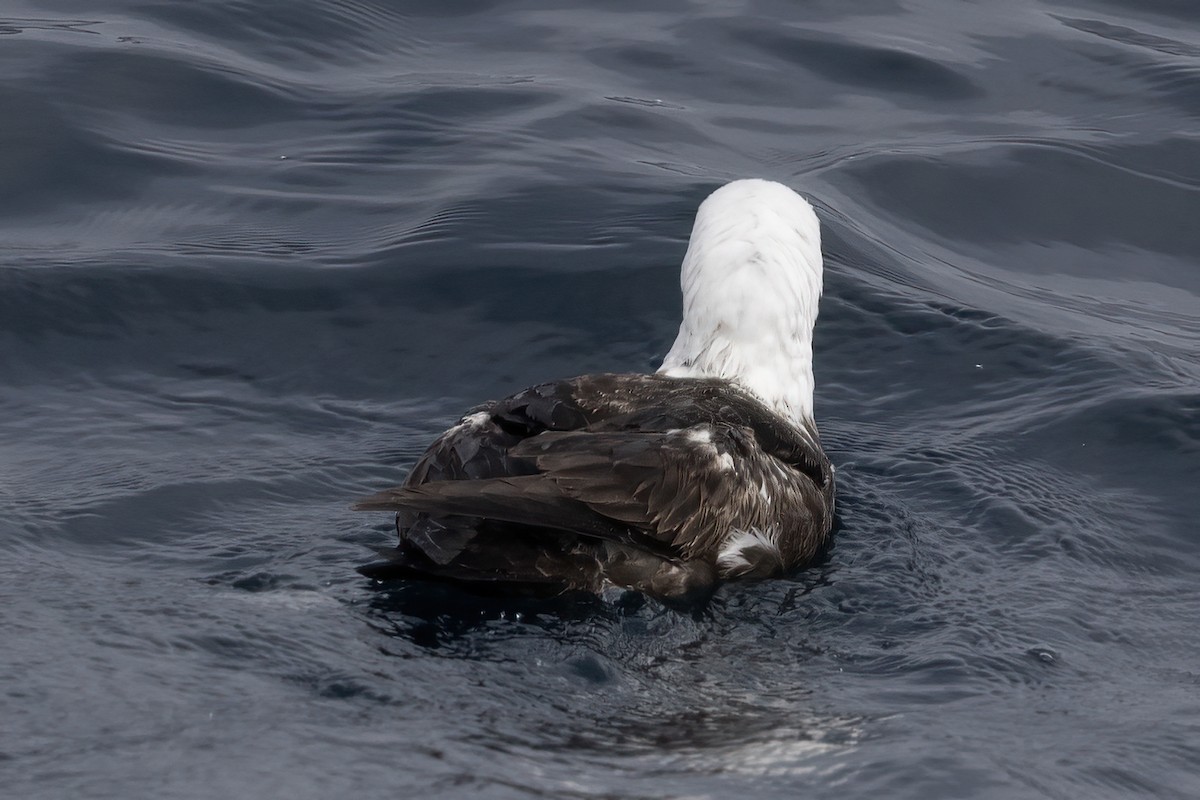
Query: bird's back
{"points": [[656, 483]]}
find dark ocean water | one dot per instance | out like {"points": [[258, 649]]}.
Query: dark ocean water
{"points": [[254, 254]]}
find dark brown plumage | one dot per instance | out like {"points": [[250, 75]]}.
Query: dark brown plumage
{"points": [[640, 481]]}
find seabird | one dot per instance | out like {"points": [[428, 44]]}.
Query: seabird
{"points": [[710, 469]]}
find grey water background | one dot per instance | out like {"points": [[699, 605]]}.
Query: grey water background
{"points": [[254, 255]]}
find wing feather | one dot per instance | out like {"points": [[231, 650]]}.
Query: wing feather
{"points": [[670, 468], [672, 485]]}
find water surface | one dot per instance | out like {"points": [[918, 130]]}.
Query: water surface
{"points": [[254, 255]]}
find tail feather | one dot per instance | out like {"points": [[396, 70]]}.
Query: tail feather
{"points": [[531, 500]]}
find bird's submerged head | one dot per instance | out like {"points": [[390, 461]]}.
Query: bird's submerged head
{"points": [[751, 283]]}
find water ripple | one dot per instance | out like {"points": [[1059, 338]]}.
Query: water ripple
{"points": [[257, 254]]}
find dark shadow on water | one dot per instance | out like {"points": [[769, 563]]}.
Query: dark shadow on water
{"points": [[432, 614]]}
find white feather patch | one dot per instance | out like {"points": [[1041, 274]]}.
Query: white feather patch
{"points": [[751, 283], [732, 557], [474, 420]]}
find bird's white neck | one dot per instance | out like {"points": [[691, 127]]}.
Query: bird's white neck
{"points": [[751, 283]]}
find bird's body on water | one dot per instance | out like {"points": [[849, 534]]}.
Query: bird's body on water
{"points": [[709, 470]]}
